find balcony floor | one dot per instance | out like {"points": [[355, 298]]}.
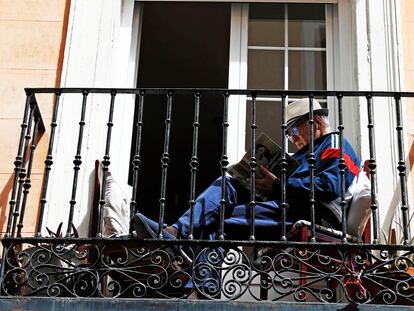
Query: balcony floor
{"points": [[96, 304]]}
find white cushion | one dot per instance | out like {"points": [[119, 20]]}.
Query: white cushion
{"points": [[359, 211], [117, 207]]}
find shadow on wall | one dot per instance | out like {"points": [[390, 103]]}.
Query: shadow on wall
{"points": [[6, 191], [4, 203]]}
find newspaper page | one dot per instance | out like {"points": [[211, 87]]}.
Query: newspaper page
{"points": [[268, 153]]}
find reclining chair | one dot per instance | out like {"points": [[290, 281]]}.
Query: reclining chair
{"points": [[311, 263]]}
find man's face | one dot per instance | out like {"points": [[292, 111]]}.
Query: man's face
{"points": [[299, 134]]}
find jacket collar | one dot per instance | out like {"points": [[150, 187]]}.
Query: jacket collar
{"points": [[316, 142]]}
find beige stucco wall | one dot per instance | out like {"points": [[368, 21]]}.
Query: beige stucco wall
{"points": [[407, 23], [32, 36]]}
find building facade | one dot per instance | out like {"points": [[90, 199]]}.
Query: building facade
{"points": [[332, 45]]}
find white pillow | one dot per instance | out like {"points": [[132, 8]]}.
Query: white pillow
{"points": [[117, 207], [359, 211]]}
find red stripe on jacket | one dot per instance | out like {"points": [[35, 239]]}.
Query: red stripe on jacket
{"points": [[335, 153]]}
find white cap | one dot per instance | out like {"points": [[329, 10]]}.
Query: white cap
{"points": [[299, 110]]}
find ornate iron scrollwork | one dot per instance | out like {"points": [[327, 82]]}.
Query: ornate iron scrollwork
{"points": [[129, 268]]}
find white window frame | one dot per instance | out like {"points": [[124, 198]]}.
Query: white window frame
{"points": [[238, 70], [101, 50], [286, 48]]}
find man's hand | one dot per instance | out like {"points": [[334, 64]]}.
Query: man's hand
{"points": [[265, 184]]}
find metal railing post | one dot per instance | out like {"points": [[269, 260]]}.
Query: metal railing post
{"points": [[137, 161], [165, 160], [253, 167], [105, 163], [223, 163], [283, 164], [48, 165], [194, 162], [22, 171], [372, 169], [311, 162], [402, 172], [342, 167], [77, 163], [17, 165]]}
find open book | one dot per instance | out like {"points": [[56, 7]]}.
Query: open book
{"points": [[269, 154]]}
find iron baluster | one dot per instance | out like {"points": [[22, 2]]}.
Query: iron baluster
{"points": [[402, 171], [311, 161], [223, 163], [342, 166], [137, 162], [77, 163], [105, 163], [372, 169], [253, 166], [22, 171], [283, 166], [194, 162], [48, 165], [17, 164], [165, 160], [27, 182]]}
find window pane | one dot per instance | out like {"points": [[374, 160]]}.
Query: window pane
{"points": [[265, 69], [307, 70], [306, 25], [266, 25], [268, 114]]}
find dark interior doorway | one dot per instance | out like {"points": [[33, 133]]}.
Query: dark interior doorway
{"points": [[182, 45]]}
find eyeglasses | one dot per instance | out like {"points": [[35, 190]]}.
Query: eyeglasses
{"points": [[292, 131]]}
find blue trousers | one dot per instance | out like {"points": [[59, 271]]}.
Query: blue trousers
{"points": [[268, 214], [206, 267]]}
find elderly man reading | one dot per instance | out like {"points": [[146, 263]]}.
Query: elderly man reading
{"points": [[268, 214]]}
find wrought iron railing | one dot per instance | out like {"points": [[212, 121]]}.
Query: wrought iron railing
{"points": [[308, 269]]}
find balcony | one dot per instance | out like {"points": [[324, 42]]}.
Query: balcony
{"points": [[308, 264]]}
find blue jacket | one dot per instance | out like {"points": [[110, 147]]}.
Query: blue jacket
{"points": [[327, 180]]}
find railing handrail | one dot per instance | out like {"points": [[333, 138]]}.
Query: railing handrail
{"points": [[215, 91]]}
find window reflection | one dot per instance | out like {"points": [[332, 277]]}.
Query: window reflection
{"points": [[304, 49], [265, 69], [266, 25], [307, 70], [306, 25]]}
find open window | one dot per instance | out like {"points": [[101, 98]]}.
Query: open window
{"points": [[183, 45], [283, 46]]}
